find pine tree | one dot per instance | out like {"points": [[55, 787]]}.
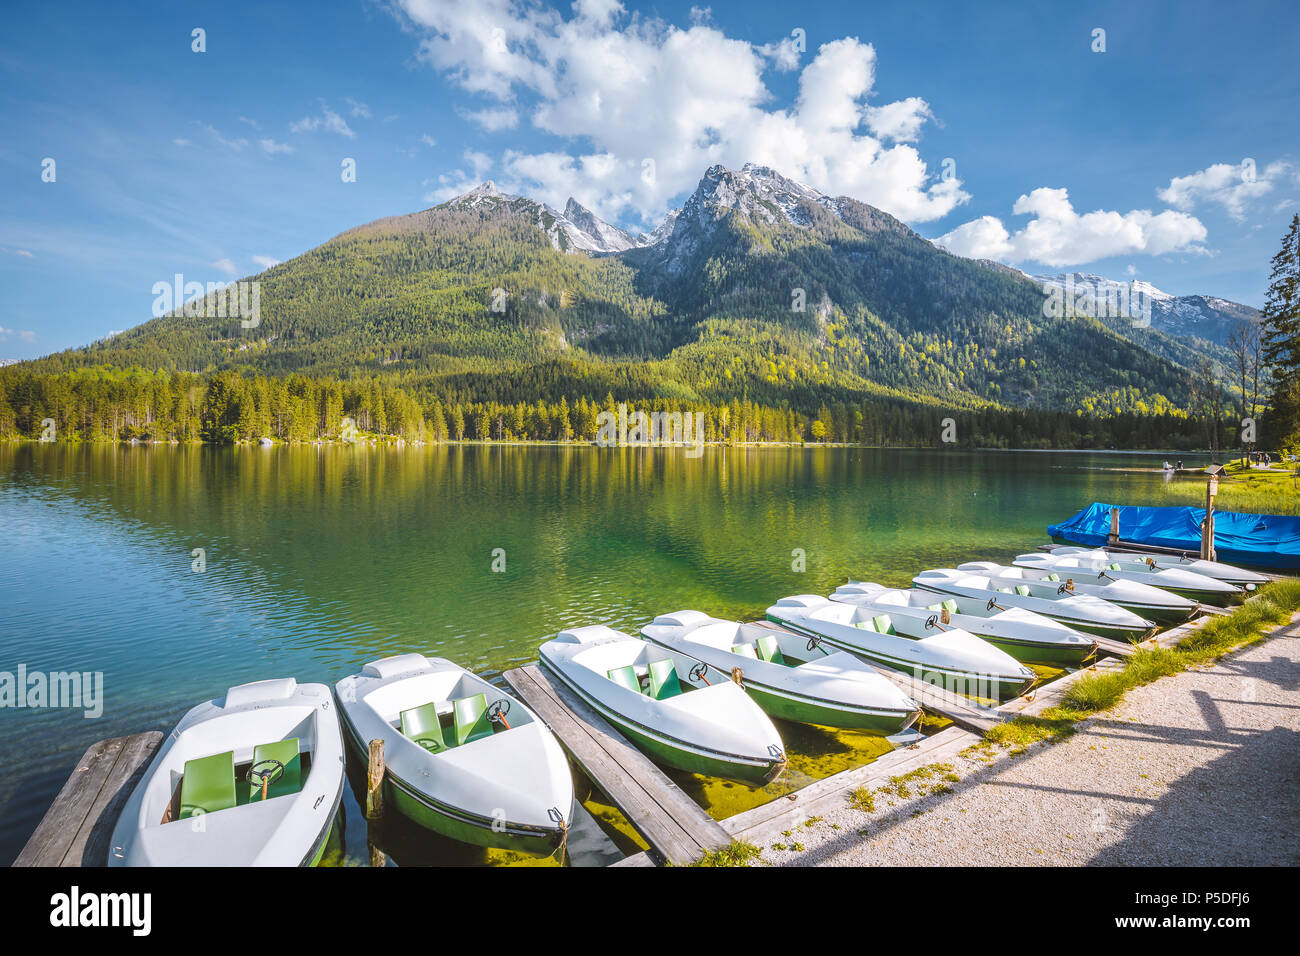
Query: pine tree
{"points": [[1281, 335]]}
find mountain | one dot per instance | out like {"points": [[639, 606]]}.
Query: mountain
{"points": [[1202, 317], [758, 288]]}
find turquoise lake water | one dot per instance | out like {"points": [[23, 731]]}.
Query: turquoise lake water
{"points": [[318, 559]]}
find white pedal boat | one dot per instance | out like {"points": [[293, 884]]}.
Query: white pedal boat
{"points": [[1082, 608], [1150, 560], [1023, 634], [787, 674], [714, 729], [253, 778], [955, 660], [463, 758]]}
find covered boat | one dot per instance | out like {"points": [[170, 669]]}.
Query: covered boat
{"points": [[956, 660], [789, 675], [1097, 565], [1182, 562], [714, 728], [253, 778], [463, 758], [1024, 634], [1254, 540]]}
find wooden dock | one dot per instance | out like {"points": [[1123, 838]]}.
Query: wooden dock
{"points": [[672, 823], [77, 828]]}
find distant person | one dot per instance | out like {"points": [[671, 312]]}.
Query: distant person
{"points": [[1168, 467], [1180, 464]]}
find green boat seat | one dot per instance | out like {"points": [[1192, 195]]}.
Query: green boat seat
{"points": [[663, 680], [627, 677], [1005, 590], [208, 784], [934, 607], [884, 624], [865, 625], [950, 606], [769, 650], [1114, 567], [290, 779], [472, 721], [744, 650], [1022, 590], [422, 725], [1053, 577]]}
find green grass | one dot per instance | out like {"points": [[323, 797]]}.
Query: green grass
{"points": [[920, 782], [736, 853], [1249, 490], [1273, 605]]}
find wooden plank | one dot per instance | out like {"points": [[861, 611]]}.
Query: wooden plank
{"points": [[671, 822], [765, 822], [90, 847], [1212, 610], [1107, 645], [636, 859], [76, 829], [962, 711]]}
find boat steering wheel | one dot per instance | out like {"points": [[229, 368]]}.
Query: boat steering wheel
{"points": [[264, 773], [814, 644], [497, 711], [993, 603], [1061, 589], [932, 621], [697, 673]]}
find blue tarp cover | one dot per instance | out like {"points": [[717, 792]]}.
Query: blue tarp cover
{"points": [[1264, 541]]}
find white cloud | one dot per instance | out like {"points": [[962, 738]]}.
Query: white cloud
{"points": [[179, 141], [359, 110], [251, 122], [266, 262], [225, 265], [1059, 236], [428, 140], [234, 144], [901, 121], [630, 89], [24, 253], [1232, 186], [460, 181], [493, 120], [329, 121], [271, 146], [27, 335]]}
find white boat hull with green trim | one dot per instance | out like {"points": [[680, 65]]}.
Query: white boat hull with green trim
{"points": [[1024, 635], [956, 660], [716, 729], [1153, 604], [1094, 564], [1182, 562], [462, 757], [253, 778], [787, 674]]}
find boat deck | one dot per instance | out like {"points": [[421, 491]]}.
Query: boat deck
{"points": [[77, 828], [672, 823]]}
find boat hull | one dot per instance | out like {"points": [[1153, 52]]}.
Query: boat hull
{"points": [[982, 686], [804, 710], [679, 754], [453, 822], [1039, 652]]}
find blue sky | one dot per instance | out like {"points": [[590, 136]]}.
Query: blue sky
{"points": [[1173, 156]]}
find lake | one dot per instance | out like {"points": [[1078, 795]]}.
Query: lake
{"points": [[315, 560]]}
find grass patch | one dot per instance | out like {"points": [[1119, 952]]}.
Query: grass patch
{"points": [[736, 853], [920, 782], [1274, 605]]}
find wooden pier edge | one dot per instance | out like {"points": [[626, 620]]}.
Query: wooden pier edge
{"points": [[78, 827], [673, 824]]}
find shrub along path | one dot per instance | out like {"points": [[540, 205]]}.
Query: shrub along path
{"points": [[1199, 767]]}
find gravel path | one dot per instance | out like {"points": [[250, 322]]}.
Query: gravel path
{"points": [[1199, 768]]}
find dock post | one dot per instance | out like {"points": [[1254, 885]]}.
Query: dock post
{"points": [[1207, 526], [1114, 527], [375, 800]]}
